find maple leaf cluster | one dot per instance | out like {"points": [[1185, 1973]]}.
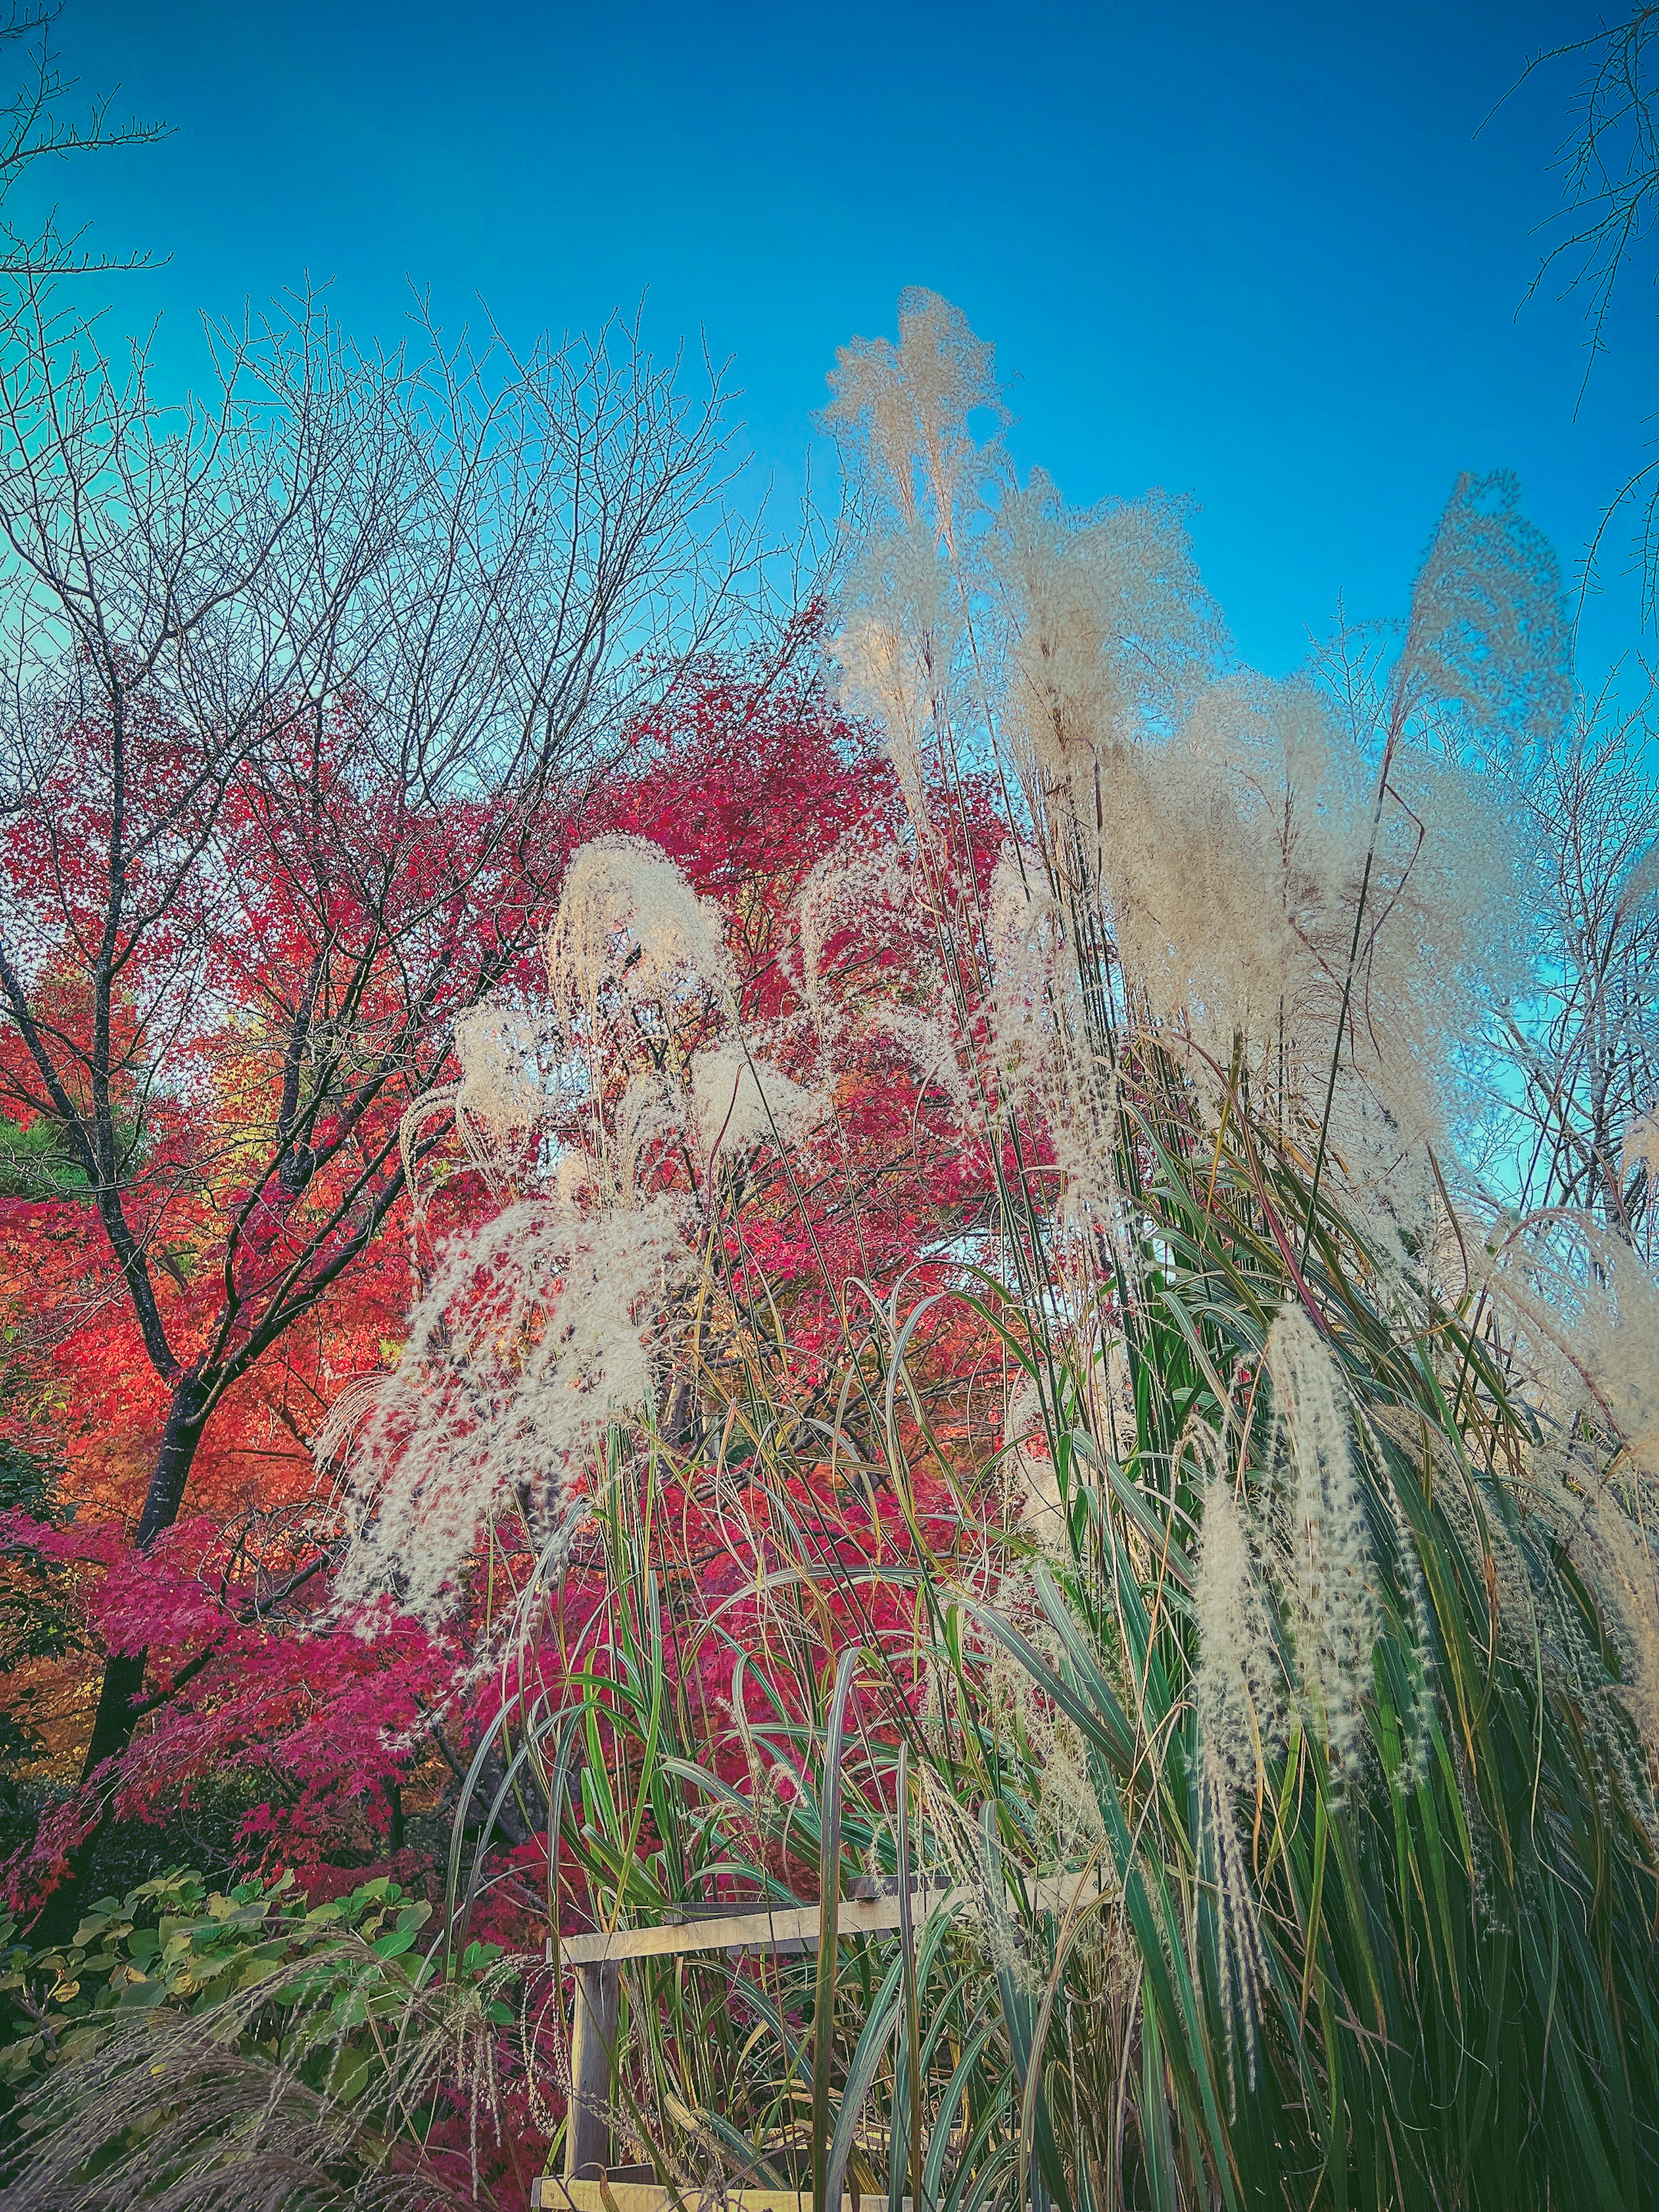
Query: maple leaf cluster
{"points": [[247, 1181]]}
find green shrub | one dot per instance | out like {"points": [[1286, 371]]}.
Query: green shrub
{"points": [[242, 2040]]}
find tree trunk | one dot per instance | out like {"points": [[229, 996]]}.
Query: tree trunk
{"points": [[115, 1719]]}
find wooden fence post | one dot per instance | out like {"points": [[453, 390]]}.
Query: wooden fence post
{"points": [[592, 2046]]}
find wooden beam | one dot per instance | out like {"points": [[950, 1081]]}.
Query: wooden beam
{"points": [[765, 1931], [593, 2047], [549, 2193]]}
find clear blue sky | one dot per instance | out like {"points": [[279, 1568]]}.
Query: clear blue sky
{"points": [[1260, 255]]}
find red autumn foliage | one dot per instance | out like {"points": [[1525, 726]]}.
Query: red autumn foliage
{"points": [[746, 780]]}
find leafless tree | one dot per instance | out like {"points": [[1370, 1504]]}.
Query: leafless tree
{"points": [[1583, 1049], [1560, 1094], [302, 686], [33, 128], [1610, 165]]}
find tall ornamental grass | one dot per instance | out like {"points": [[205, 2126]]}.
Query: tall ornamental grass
{"points": [[1214, 1583], [1301, 1600]]}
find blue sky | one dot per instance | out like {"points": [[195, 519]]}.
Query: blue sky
{"points": [[1266, 257]]}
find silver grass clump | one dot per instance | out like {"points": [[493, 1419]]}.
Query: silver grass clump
{"points": [[648, 1125], [181, 2111], [502, 1095], [1046, 1061], [1328, 1568], [1237, 859], [631, 947], [1605, 1521], [501, 1090], [539, 1330], [1488, 636], [888, 674], [907, 407], [1026, 935], [858, 902], [725, 1101], [549, 1323], [1106, 635], [918, 478], [1581, 1312], [1277, 897]]}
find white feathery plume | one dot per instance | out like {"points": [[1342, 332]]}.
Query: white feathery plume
{"points": [[1107, 626], [1626, 1515], [1334, 1610], [1240, 1706], [903, 415], [1607, 1523], [739, 1101], [1489, 633], [628, 922], [1026, 939], [1046, 1055], [1112, 1398], [1583, 1312], [538, 1331], [1253, 893], [1031, 1464], [650, 1120], [907, 407], [885, 676], [1241, 1717], [500, 1085]]}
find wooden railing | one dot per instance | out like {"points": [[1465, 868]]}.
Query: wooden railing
{"points": [[598, 1960]]}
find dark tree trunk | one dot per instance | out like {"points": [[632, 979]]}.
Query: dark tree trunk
{"points": [[180, 1440], [114, 1722], [123, 1671]]}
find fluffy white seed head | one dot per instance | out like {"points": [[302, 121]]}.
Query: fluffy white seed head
{"points": [[1240, 1712], [1333, 1611], [650, 1124], [1033, 1478], [904, 410], [739, 1101], [1105, 626], [890, 660], [629, 923], [1581, 1312], [1025, 936], [1237, 1691], [1489, 634], [539, 1330], [500, 1086]]}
